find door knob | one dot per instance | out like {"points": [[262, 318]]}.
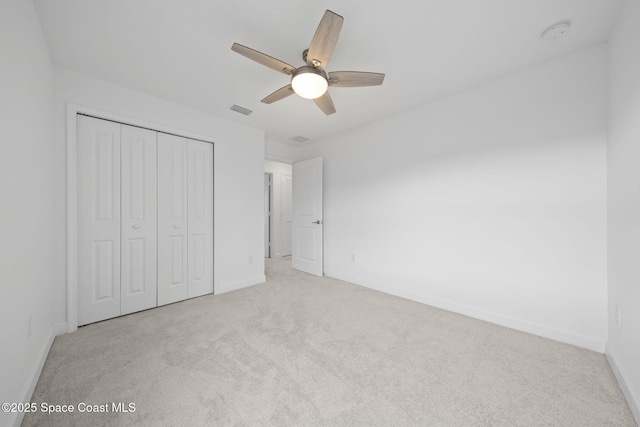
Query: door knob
{"points": [[176, 226], [136, 226], [317, 222]]}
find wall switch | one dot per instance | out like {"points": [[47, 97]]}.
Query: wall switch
{"points": [[250, 259], [353, 257], [29, 327], [618, 315]]}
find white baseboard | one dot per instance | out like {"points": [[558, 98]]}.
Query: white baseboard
{"points": [[228, 287], [632, 399], [57, 329], [567, 337]]}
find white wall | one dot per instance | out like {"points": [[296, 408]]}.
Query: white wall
{"points": [[491, 202], [238, 169], [623, 347], [279, 171], [279, 151], [28, 244]]}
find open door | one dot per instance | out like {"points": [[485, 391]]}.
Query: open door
{"points": [[307, 242]]}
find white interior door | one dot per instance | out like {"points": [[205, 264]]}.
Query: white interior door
{"points": [[307, 216], [286, 195], [200, 218], [172, 219], [145, 219], [139, 257], [98, 220]]}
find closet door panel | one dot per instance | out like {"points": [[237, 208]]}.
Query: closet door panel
{"points": [[172, 219], [200, 218], [98, 220], [139, 219]]}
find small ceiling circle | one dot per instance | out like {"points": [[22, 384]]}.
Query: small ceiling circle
{"points": [[556, 31]]}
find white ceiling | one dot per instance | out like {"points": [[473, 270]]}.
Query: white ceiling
{"points": [[180, 50]]}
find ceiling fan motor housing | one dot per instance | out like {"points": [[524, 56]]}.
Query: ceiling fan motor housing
{"points": [[309, 69]]}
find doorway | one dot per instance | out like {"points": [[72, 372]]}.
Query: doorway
{"points": [[278, 209], [268, 205]]}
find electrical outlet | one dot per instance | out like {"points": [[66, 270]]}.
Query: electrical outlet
{"points": [[618, 315]]}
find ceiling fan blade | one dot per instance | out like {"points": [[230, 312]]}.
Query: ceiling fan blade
{"points": [[324, 40], [264, 59], [325, 103], [281, 93], [355, 79]]}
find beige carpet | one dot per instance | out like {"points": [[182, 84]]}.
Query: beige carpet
{"points": [[306, 351]]}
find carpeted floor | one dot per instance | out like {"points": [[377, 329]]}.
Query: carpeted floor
{"points": [[301, 350]]}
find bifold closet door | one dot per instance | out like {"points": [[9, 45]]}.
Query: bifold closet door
{"points": [[98, 220], [185, 218], [200, 218], [172, 219], [139, 224], [145, 219]]}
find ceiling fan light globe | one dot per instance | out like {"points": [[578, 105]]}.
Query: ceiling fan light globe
{"points": [[309, 85]]}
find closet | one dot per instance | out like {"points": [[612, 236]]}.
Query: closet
{"points": [[145, 219]]}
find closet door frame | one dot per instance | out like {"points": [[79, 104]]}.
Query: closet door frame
{"points": [[73, 110]]}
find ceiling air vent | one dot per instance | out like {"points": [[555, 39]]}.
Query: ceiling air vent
{"points": [[241, 110], [300, 138]]}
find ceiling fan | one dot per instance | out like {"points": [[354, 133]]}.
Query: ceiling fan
{"points": [[311, 80]]}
